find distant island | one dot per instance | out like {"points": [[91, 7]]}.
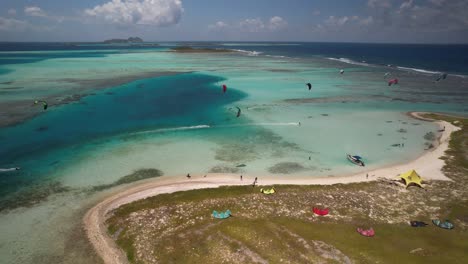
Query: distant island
{"points": [[129, 40], [188, 49]]}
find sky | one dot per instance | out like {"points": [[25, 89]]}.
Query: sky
{"points": [[388, 21]]}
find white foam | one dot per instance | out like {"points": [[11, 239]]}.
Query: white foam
{"points": [[277, 56], [349, 61], [8, 169], [248, 53], [418, 70], [260, 44], [161, 130]]}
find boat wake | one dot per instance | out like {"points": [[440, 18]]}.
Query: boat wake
{"points": [[161, 130], [9, 169], [262, 124]]}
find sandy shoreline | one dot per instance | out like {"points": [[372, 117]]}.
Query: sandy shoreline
{"points": [[429, 166]]}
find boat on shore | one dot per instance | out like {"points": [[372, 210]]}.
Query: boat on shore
{"points": [[356, 160]]}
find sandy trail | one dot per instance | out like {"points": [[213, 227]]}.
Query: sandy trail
{"points": [[429, 165]]}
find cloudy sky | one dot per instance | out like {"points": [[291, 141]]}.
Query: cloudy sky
{"points": [[414, 21]]}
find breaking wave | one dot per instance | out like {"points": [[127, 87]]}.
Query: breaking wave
{"points": [[248, 53], [349, 61]]}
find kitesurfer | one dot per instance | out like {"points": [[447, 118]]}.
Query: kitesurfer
{"points": [[309, 85], [224, 88], [238, 111], [188, 176]]}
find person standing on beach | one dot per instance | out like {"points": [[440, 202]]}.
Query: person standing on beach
{"points": [[367, 175], [255, 182], [241, 177], [188, 176]]}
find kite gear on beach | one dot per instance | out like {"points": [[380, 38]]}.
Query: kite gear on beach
{"points": [[356, 160], [268, 191], [44, 103], [417, 224], [221, 215], [341, 71], [321, 212], [309, 85], [368, 233], [445, 225]]}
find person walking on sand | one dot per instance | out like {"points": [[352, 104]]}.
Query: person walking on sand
{"points": [[188, 176], [241, 177], [255, 182], [367, 175]]}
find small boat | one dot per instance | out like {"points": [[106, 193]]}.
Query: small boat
{"points": [[356, 160]]}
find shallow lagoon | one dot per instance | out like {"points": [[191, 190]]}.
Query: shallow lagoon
{"points": [[184, 124]]}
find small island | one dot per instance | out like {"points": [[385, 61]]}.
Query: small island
{"points": [[124, 41], [188, 49]]}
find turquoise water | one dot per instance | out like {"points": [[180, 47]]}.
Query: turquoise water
{"points": [[130, 117]]}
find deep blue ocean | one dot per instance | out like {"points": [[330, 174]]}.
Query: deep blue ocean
{"points": [[431, 57]]}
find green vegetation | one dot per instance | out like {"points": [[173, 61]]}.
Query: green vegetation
{"points": [[177, 227]]}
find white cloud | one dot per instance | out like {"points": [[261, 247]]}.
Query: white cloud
{"points": [[253, 25], [277, 23], [15, 25], [10, 24], [140, 12], [379, 3], [406, 5], [366, 21], [12, 12], [219, 25], [34, 11]]}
